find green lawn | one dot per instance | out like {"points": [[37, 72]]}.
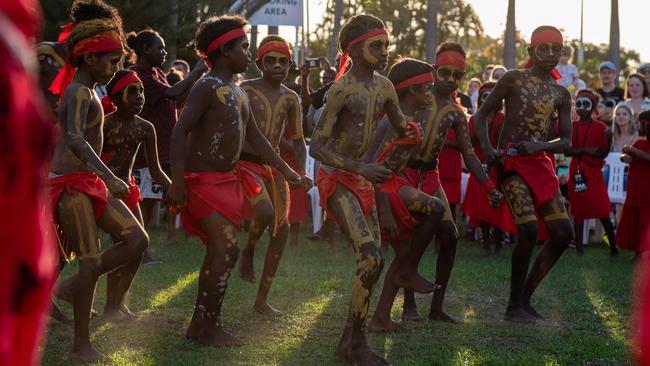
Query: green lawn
{"points": [[585, 300]]}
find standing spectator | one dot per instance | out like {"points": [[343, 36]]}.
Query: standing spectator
{"points": [[497, 72], [487, 73], [472, 90], [610, 94], [567, 70], [624, 128], [161, 101], [313, 102], [182, 67], [645, 71], [636, 94]]}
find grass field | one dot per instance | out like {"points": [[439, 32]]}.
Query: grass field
{"points": [[585, 300]]}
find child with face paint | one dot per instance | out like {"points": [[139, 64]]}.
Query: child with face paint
{"points": [[441, 116], [587, 190], [475, 205], [356, 102], [207, 184], [51, 58], [124, 133], [526, 174], [85, 193], [633, 232], [406, 213], [276, 108]]}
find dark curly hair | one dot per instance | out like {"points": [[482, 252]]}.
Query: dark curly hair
{"points": [[144, 38], [214, 27], [357, 26]]}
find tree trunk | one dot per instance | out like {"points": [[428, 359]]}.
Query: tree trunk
{"points": [[333, 47], [509, 43], [171, 38], [431, 31], [274, 29], [615, 38], [254, 40]]}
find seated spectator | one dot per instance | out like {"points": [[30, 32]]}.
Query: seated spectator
{"points": [[497, 72], [182, 67], [610, 94], [567, 70], [624, 128], [487, 73], [636, 94], [645, 71]]}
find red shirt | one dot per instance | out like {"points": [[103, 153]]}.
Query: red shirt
{"points": [[449, 163], [494, 128], [589, 134], [638, 178]]}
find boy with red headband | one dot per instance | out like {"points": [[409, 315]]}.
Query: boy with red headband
{"points": [[441, 116], [80, 183], [355, 104], [633, 232], [124, 133], [207, 184], [51, 58], [275, 108], [475, 205], [588, 197], [525, 172]]}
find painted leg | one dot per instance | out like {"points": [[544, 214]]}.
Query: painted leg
{"points": [[611, 236], [381, 320], [448, 237], [271, 263], [262, 218]]}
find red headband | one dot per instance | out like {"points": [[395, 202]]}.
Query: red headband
{"points": [[221, 40], [418, 79], [103, 42], [343, 63], [277, 46], [127, 79], [450, 58], [550, 35]]}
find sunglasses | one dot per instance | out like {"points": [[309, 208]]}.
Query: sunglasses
{"points": [[607, 104]]}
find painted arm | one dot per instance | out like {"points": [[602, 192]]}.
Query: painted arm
{"points": [[198, 101], [492, 103], [637, 153], [394, 113], [181, 89], [76, 118], [151, 152]]}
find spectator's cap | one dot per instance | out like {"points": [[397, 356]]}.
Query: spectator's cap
{"points": [[643, 68], [607, 65]]}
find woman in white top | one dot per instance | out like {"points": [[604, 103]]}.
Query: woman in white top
{"points": [[636, 94], [624, 128]]}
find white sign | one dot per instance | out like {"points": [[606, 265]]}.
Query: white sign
{"points": [[278, 12]]}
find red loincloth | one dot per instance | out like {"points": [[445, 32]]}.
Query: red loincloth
{"points": [[84, 182], [450, 168], [133, 198], [594, 203], [633, 231], [405, 220], [477, 207], [358, 185], [269, 175], [28, 261], [538, 173], [220, 192], [427, 181], [298, 211]]}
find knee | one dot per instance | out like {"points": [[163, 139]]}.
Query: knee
{"points": [[89, 269], [371, 261], [563, 234], [449, 233], [138, 240], [528, 232], [264, 212], [437, 209]]}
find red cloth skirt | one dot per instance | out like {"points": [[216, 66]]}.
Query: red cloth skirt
{"points": [[477, 207], [539, 174], [86, 183], [594, 203], [358, 185], [404, 219], [132, 199], [633, 231], [428, 181], [269, 175], [220, 192], [298, 206]]}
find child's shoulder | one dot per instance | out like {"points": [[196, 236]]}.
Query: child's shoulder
{"points": [[143, 123], [290, 93], [79, 91]]}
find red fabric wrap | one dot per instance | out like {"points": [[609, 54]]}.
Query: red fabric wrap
{"points": [[450, 58], [86, 183], [476, 206], [277, 46], [133, 198], [102, 42], [66, 29], [450, 168], [392, 184], [404, 219], [221, 40], [428, 181], [358, 185], [538, 173], [427, 77], [550, 35], [298, 210], [345, 57], [130, 78], [633, 231], [594, 203], [220, 192]]}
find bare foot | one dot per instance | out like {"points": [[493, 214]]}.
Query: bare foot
{"points": [[519, 315], [266, 309], [88, 354], [115, 315], [378, 325], [365, 356], [411, 314], [215, 337], [441, 316], [127, 312], [531, 310], [57, 314], [413, 281], [246, 268]]}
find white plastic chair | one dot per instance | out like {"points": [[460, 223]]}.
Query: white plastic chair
{"points": [[615, 185], [316, 210]]}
